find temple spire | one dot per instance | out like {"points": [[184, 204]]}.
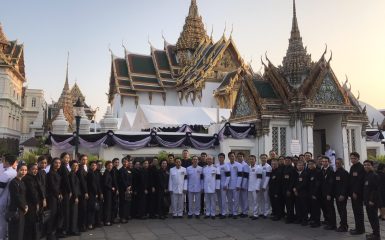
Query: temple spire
{"points": [[3, 38], [66, 85], [192, 34], [296, 63]]}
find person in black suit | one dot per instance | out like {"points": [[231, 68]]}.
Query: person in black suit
{"points": [[162, 186], [125, 191], [327, 191], [372, 199], [356, 186], [54, 197], [115, 195], [18, 203], [42, 179], [381, 174], [314, 192], [288, 180], [301, 194], [33, 198], [341, 190], [108, 191], [74, 199], [275, 191], [65, 187], [93, 187], [83, 199], [143, 191], [99, 199], [136, 185]]}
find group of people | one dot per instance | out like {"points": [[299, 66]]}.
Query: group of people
{"points": [[61, 197]]}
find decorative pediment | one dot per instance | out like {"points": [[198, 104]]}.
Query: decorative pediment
{"points": [[329, 92], [244, 106]]}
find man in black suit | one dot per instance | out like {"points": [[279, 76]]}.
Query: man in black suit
{"points": [[288, 180], [341, 189], [83, 199], [327, 191]]}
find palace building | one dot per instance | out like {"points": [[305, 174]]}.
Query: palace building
{"points": [[296, 106]]}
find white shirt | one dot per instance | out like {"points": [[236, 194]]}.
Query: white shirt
{"points": [[266, 172], [331, 154], [255, 178], [5, 178], [178, 180], [211, 178], [225, 175], [245, 178], [194, 179], [236, 175]]}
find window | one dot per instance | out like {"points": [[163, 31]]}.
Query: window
{"points": [[33, 102], [279, 140], [351, 136]]}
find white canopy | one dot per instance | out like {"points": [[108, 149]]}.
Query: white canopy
{"points": [[127, 121], [150, 116]]}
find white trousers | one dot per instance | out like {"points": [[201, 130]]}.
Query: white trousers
{"points": [[177, 200], [222, 201], [210, 204], [244, 201], [254, 202], [264, 202], [233, 201], [194, 203]]}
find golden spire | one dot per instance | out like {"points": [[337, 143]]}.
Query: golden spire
{"points": [[3, 38], [65, 101], [296, 63], [193, 30]]}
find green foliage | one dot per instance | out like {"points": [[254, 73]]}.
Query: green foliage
{"points": [[379, 159], [29, 157], [162, 155]]}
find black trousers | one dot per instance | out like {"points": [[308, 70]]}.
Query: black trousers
{"points": [[301, 208], [164, 202], [315, 210], [141, 201], [115, 205], [329, 211], [276, 205], [16, 228], [373, 219], [358, 211], [82, 210], [153, 203], [53, 205], [31, 229], [202, 203], [107, 206], [74, 216], [91, 211], [124, 206], [289, 204], [341, 207], [64, 220]]}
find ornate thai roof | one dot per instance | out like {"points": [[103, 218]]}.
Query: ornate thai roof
{"points": [[65, 101], [193, 30], [296, 63], [3, 38]]}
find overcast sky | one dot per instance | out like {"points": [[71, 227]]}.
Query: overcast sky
{"points": [[352, 29]]}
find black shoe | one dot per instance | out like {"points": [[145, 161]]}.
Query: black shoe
{"points": [[304, 223], [254, 218], [276, 218], [297, 222], [123, 221], [315, 225], [206, 217], [197, 216], [174, 217], [235, 216], [342, 229], [180, 217], [264, 217], [222, 216], [74, 234], [230, 215], [372, 237], [243, 215], [356, 232], [189, 216], [213, 217], [288, 221], [324, 222], [329, 227], [107, 224]]}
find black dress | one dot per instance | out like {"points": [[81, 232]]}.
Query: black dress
{"points": [[53, 192], [74, 205], [17, 203], [164, 194], [33, 198], [124, 182], [107, 194]]}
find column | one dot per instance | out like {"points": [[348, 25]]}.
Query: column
{"points": [[308, 124], [345, 144]]}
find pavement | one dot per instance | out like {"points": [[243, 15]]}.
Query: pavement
{"points": [[218, 229]]}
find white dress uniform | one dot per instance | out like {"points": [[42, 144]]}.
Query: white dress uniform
{"points": [[177, 184], [264, 200], [211, 183], [194, 189], [243, 199], [331, 154], [8, 174], [236, 175], [224, 183], [255, 179]]}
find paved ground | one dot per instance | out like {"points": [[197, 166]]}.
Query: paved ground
{"points": [[202, 229]]}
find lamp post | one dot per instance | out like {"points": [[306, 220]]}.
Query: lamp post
{"points": [[78, 111]]}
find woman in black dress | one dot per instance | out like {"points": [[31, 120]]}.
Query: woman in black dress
{"points": [[164, 194], [34, 197], [54, 197], [108, 190], [74, 199], [17, 204]]}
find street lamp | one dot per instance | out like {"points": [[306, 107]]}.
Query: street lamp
{"points": [[78, 112]]}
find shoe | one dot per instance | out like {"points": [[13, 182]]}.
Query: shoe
{"points": [[297, 222], [264, 217], [243, 215], [304, 223], [330, 227], [123, 221], [90, 227], [276, 218], [206, 217], [222, 216], [189, 216], [197, 216], [356, 232], [180, 217], [342, 229], [324, 222], [289, 221], [235, 216], [230, 215], [74, 234], [107, 224], [315, 225], [254, 218], [372, 237], [174, 217], [213, 217]]}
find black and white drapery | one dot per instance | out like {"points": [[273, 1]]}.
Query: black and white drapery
{"points": [[152, 139], [374, 136]]}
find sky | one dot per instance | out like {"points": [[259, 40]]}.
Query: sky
{"points": [[352, 29]]}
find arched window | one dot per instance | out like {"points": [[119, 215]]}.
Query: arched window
{"points": [[33, 102]]}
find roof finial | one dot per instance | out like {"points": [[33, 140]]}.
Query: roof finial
{"points": [[3, 38], [232, 29], [66, 85], [294, 28], [224, 30], [331, 57], [212, 31], [193, 11]]}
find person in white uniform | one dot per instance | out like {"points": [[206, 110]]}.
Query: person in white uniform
{"points": [[194, 188], [236, 176], [224, 185], [254, 187], [177, 187], [243, 199], [9, 165], [264, 200], [211, 184]]}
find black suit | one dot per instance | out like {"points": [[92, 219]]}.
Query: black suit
{"points": [[124, 182], [314, 191], [17, 191], [372, 200], [74, 202], [356, 185], [115, 194], [107, 185], [65, 187], [34, 198], [327, 190], [341, 188], [288, 180], [164, 195], [83, 202], [53, 202], [93, 186], [275, 193], [301, 199]]}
